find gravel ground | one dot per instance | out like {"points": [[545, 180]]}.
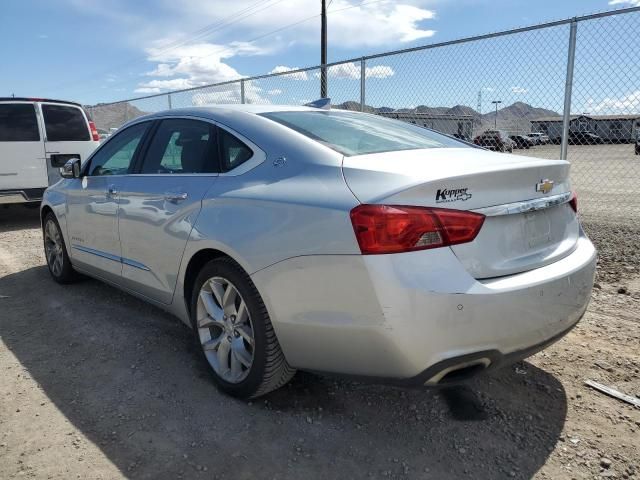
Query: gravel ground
{"points": [[96, 384]]}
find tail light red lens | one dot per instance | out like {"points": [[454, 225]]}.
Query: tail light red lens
{"points": [[94, 132], [574, 201], [394, 228]]}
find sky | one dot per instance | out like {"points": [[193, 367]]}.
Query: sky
{"points": [[95, 51]]}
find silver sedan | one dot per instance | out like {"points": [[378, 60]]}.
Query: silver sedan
{"points": [[301, 238]]}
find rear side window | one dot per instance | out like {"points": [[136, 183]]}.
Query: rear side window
{"points": [[18, 123], [233, 152], [65, 124]]}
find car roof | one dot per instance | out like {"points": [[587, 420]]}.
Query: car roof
{"points": [[25, 99], [234, 115], [215, 111]]}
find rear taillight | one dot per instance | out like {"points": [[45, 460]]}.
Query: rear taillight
{"points": [[394, 228], [574, 201], [94, 132]]}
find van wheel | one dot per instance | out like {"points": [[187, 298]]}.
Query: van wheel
{"points": [[55, 251], [234, 333]]}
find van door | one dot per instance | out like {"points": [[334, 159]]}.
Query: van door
{"points": [[22, 163], [67, 136]]}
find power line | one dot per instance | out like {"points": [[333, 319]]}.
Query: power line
{"points": [[272, 32], [197, 35]]}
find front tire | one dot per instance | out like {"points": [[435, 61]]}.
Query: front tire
{"points": [[234, 333], [55, 251]]}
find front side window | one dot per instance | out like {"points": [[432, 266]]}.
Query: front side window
{"points": [[181, 146], [65, 124], [116, 155], [18, 123], [359, 134]]}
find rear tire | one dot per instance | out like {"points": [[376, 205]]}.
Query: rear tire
{"points": [[234, 333], [55, 251]]}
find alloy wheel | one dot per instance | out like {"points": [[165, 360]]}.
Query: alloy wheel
{"points": [[53, 248], [225, 329]]}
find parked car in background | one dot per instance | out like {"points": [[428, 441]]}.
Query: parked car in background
{"points": [[522, 141], [326, 240], [539, 138], [37, 137], [103, 134], [583, 138], [497, 140]]}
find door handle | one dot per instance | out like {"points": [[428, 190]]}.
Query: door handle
{"points": [[111, 191], [175, 197]]}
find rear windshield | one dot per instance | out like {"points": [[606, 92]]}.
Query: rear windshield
{"points": [[65, 124], [358, 134], [18, 123]]}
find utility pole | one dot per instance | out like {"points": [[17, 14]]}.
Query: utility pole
{"points": [[323, 51], [495, 121]]}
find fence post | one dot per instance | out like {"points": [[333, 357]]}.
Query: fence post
{"points": [[242, 99], [568, 86], [169, 100], [363, 77]]}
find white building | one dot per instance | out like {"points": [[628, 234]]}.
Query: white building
{"points": [[460, 126], [611, 128]]}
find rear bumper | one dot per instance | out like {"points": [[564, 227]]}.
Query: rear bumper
{"points": [[26, 195], [410, 317]]}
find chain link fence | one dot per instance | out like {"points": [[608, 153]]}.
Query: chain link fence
{"points": [[567, 89]]}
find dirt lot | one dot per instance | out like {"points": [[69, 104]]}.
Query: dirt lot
{"points": [[96, 384], [606, 177]]}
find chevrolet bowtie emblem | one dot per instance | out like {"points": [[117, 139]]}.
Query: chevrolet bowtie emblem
{"points": [[545, 186]]}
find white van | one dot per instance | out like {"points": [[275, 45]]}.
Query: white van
{"points": [[37, 137]]}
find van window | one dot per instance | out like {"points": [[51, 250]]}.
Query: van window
{"points": [[65, 124], [18, 123]]}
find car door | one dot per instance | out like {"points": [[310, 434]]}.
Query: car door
{"points": [[67, 136], [22, 164], [93, 202], [161, 202]]}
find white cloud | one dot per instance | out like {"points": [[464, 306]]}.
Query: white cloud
{"points": [[43, 36], [626, 104], [519, 90], [275, 91], [229, 94], [352, 23], [292, 76], [634, 3], [195, 65], [351, 71], [147, 90]]}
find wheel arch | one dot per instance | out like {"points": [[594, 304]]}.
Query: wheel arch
{"points": [[44, 211], [195, 264]]}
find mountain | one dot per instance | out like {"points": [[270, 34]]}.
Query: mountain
{"points": [[113, 115], [516, 117], [513, 118]]}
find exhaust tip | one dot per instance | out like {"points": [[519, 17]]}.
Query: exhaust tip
{"points": [[459, 372]]}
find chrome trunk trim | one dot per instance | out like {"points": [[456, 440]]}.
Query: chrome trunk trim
{"points": [[525, 206]]}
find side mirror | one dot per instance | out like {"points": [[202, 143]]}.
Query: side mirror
{"points": [[71, 168]]}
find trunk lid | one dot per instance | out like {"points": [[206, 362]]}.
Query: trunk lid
{"points": [[510, 241]]}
